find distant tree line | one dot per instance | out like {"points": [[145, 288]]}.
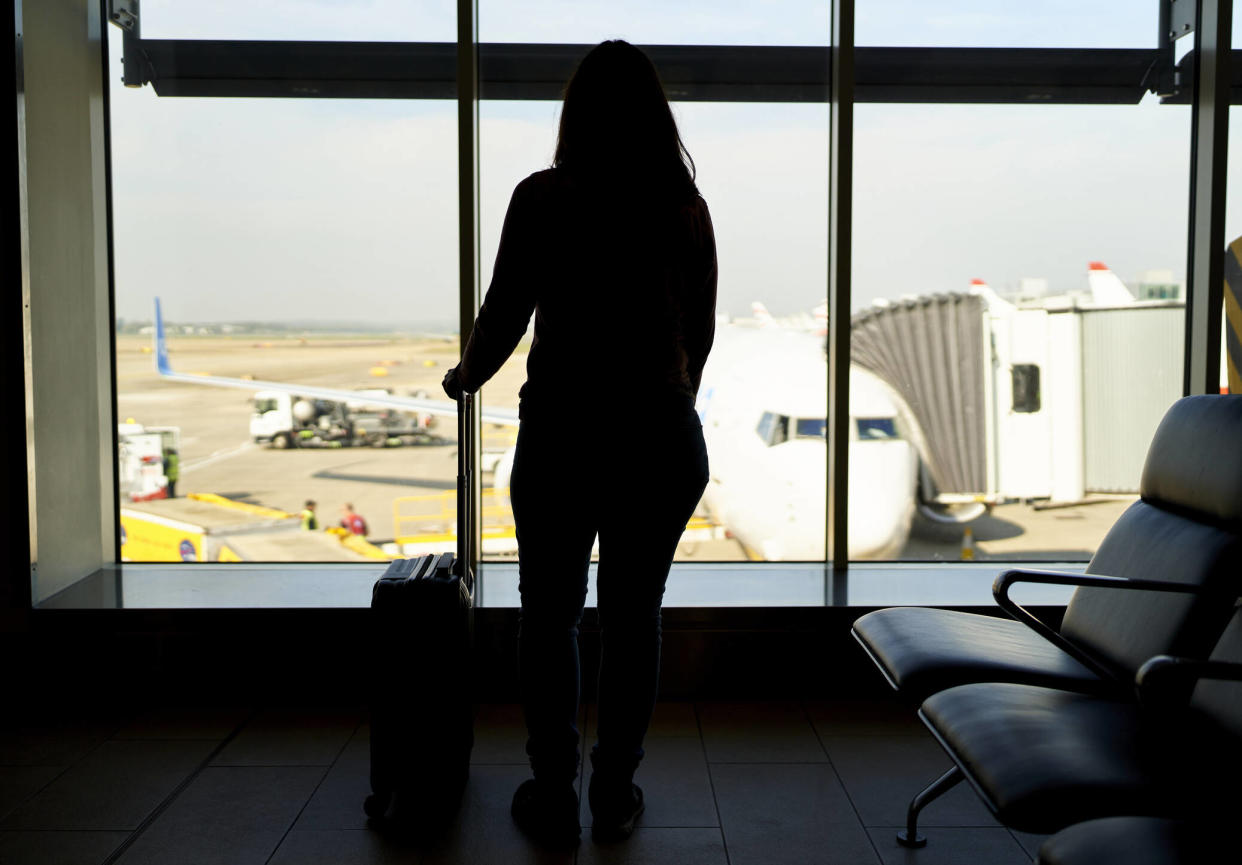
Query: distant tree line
{"points": [[270, 328]]}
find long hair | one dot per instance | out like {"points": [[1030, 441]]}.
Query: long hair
{"points": [[617, 128]]}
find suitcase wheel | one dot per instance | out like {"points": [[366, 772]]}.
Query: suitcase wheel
{"points": [[376, 805]]}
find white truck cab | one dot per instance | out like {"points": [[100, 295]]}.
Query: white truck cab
{"points": [[272, 418]]}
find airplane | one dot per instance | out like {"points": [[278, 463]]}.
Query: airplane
{"points": [[437, 407], [816, 321], [763, 403], [763, 407], [1107, 289]]}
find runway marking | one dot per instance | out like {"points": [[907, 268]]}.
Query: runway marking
{"points": [[216, 457]]}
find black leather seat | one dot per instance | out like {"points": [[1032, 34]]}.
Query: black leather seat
{"points": [[1043, 759], [1137, 841], [1184, 529]]}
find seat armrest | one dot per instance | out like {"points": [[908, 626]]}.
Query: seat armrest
{"points": [[1006, 581], [1164, 671]]}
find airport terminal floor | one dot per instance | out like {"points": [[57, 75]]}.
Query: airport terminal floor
{"points": [[771, 782]]}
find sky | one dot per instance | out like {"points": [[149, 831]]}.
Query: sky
{"points": [[346, 209]]}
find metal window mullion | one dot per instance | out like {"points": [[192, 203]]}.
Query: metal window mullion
{"points": [[18, 590], [840, 195], [468, 227], [1208, 171]]}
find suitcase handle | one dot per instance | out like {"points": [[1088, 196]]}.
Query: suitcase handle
{"points": [[465, 487]]}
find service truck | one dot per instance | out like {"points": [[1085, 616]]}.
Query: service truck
{"points": [[286, 420], [142, 455]]}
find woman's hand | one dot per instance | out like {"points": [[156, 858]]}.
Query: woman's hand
{"points": [[452, 384]]}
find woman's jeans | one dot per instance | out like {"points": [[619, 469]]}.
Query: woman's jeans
{"points": [[634, 479]]}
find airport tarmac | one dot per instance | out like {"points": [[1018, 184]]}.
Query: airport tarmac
{"points": [[217, 455]]}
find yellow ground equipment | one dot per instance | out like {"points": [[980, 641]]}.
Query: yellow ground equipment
{"points": [[203, 527]]}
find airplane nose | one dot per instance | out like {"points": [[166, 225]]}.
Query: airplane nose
{"points": [[800, 535], [881, 497]]}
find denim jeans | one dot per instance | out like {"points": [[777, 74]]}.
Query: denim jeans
{"points": [[635, 484]]}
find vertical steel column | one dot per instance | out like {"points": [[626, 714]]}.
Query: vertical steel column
{"points": [[468, 224], [840, 199], [16, 589], [1209, 157], [105, 63]]}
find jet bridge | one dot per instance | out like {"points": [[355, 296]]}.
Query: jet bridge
{"points": [[932, 351], [1048, 401]]}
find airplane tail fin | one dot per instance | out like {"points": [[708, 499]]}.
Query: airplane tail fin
{"points": [[995, 302], [761, 314], [162, 365], [819, 313], [1107, 289]]}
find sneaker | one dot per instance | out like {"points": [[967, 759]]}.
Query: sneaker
{"points": [[615, 809], [547, 814]]}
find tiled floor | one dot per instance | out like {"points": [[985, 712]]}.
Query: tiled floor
{"points": [[740, 783]]}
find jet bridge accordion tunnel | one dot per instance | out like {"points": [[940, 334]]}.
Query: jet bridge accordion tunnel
{"points": [[931, 351], [1024, 402]]}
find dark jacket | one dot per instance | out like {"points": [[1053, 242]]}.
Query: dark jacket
{"points": [[623, 288]]}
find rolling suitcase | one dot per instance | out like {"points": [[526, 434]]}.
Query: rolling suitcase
{"points": [[421, 712]]}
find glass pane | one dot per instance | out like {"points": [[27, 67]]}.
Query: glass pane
{"points": [[373, 21], [1231, 324], [1018, 301], [651, 22], [308, 247], [766, 499], [763, 171], [986, 24]]}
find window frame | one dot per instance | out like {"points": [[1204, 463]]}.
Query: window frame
{"points": [[851, 75]]}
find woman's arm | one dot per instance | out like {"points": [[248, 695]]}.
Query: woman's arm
{"points": [[699, 326], [510, 298]]}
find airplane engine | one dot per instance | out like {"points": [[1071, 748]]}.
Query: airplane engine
{"points": [[304, 411]]}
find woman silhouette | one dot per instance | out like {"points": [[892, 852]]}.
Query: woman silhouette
{"points": [[612, 250]]}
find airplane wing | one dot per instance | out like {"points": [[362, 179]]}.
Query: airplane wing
{"points": [[441, 407]]}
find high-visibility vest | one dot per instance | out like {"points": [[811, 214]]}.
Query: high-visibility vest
{"points": [[308, 520]]}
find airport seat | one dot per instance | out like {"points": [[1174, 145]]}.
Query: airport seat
{"points": [[1135, 841], [1161, 582], [1043, 759]]}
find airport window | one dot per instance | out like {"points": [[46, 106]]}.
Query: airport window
{"points": [[770, 221], [1231, 317], [983, 24], [777, 22], [300, 242], [1003, 259], [301, 20], [1008, 251]]}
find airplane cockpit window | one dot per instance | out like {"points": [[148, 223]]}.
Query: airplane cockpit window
{"points": [[810, 427], [773, 428], [872, 428], [764, 429], [780, 432]]}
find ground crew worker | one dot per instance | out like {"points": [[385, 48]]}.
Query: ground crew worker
{"points": [[352, 520], [309, 521], [172, 470]]}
